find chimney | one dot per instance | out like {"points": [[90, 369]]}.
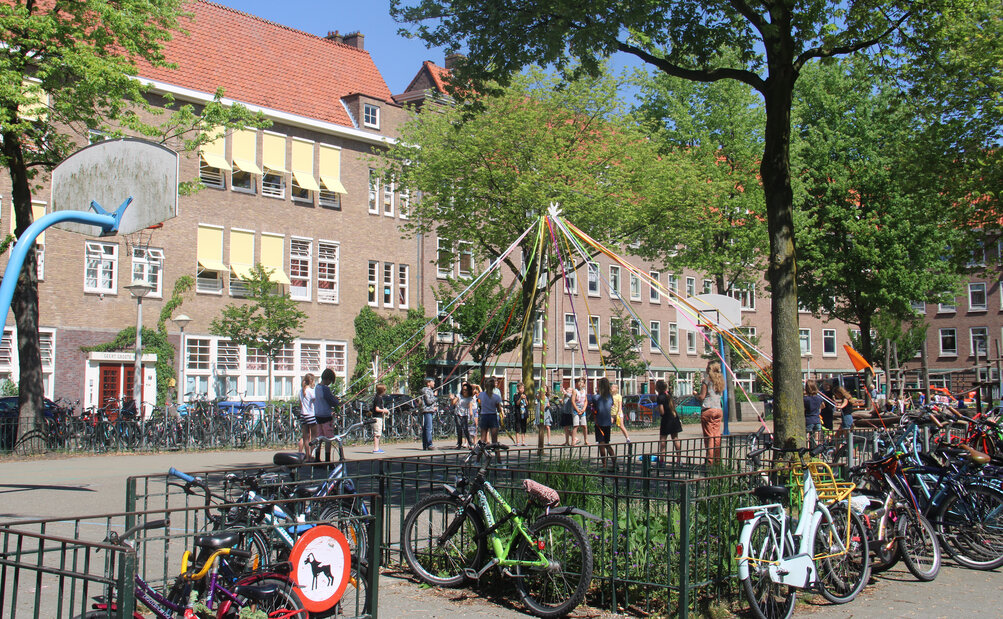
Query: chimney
{"points": [[356, 39], [334, 36], [454, 59]]}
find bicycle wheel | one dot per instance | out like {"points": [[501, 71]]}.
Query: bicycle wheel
{"points": [[283, 601], [441, 540], [842, 560], [349, 519], [971, 527], [918, 541], [559, 588], [768, 599], [32, 443]]}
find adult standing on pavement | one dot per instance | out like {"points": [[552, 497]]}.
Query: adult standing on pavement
{"points": [[711, 413], [812, 410], [379, 412], [428, 406], [669, 424], [324, 405], [463, 412], [308, 423], [490, 401], [568, 417], [604, 421], [520, 414]]}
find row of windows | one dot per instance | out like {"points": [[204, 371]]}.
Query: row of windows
{"points": [[978, 342], [978, 301], [394, 291], [219, 368], [9, 364]]}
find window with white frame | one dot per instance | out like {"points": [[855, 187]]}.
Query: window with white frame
{"points": [[403, 204], [673, 283], [946, 308], [593, 333], [327, 271], [804, 338], [310, 358], [571, 281], [635, 333], [374, 191], [570, 332], [198, 358], [653, 294], [691, 342], [335, 358], [403, 286], [388, 198], [329, 199], [684, 383], [257, 360], [465, 249], [443, 258], [691, 286], [227, 356], [635, 287], [372, 275], [100, 267], [918, 306], [655, 331], [273, 184], [708, 286], [443, 331], [828, 342], [300, 259], [978, 258], [746, 296], [538, 332], [593, 279], [7, 355], [614, 280], [979, 341], [147, 266], [977, 301], [389, 284], [371, 115]]}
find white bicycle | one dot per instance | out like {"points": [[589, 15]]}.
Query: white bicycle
{"points": [[825, 551]]}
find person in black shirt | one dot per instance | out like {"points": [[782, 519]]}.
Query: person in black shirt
{"points": [[379, 409], [670, 424], [812, 410], [324, 405]]}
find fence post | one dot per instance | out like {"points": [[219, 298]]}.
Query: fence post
{"points": [[376, 551], [127, 584], [130, 502], [684, 553]]}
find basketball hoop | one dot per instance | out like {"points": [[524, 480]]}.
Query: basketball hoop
{"points": [[139, 240]]}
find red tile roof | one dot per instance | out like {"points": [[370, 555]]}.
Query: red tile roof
{"points": [[263, 63], [438, 74]]}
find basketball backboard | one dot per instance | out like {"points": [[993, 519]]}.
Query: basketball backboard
{"points": [[718, 310], [111, 172]]}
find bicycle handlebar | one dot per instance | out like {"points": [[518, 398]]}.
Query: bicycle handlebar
{"points": [[337, 438], [115, 538]]}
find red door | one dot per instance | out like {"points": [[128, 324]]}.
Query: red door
{"points": [[115, 381]]}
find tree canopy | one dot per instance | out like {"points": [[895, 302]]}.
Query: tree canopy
{"points": [[769, 45]]}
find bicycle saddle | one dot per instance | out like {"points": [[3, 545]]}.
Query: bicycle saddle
{"points": [[215, 541], [288, 458], [778, 494], [306, 491], [975, 456], [257, 593]]}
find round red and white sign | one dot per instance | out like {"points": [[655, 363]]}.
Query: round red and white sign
{"points": [[321, 565]]}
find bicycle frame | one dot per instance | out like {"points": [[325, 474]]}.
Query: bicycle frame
{"points": [[501, 551], [797, 570]]}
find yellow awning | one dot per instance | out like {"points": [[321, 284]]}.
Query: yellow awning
{"points": [[278, 276], [333, 183], [37, 212], [272, 252], [305, 180], [241, 247], [273, 153], [247, 166], [212, 265], [330, 168], [209, 251], [215, 141], [244, 147], [243, 271], [36, 104], [215, 161]]}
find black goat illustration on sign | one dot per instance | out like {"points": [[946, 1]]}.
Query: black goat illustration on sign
{"points": [[318, 569]]}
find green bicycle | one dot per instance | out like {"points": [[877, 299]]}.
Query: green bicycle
{"points": [[446, 536]]}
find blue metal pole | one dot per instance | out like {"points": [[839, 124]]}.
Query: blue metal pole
{"points": [[724, 396], [106, 221]]}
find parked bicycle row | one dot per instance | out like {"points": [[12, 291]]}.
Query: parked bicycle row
{"points": [[814, 531]]}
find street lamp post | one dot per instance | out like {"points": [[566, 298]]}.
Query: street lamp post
{"points": [[139, 289], [182, 321]]}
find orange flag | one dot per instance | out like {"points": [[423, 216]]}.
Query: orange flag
{"points": [[858, 361]]}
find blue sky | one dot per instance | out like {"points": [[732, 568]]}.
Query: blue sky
{"points": [[397, 58]]}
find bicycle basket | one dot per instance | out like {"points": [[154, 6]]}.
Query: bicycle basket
{"points": [[543, 496]]}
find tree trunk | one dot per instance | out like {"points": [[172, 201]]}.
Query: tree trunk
{"points": [[25, 301], [788, 403]]}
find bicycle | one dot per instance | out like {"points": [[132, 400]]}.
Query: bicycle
{"points": [[446, 536], [200, 584], [826, 551]]}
